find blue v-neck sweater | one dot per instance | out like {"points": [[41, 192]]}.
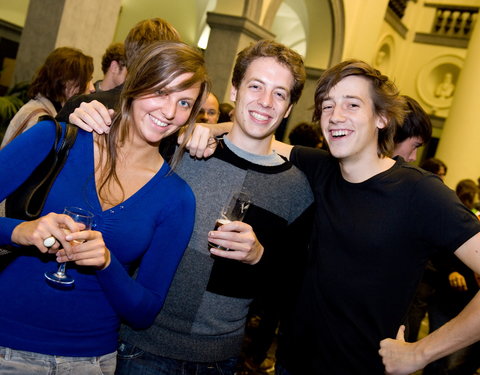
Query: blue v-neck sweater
{"points": [[151, 228]]}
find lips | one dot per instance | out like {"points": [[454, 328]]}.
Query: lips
{"points": [[158, 122]]}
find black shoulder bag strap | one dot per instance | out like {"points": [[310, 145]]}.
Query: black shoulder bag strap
{"points": [[27, 201]]}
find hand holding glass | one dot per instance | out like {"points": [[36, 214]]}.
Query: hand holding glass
{"points": [[79, 215], [234, 210]]}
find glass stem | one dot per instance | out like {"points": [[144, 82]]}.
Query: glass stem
{"points": [[61, 269]]}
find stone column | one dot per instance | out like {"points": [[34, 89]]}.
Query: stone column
{"points": [[229, 35], [87, 24], [459, 145]]}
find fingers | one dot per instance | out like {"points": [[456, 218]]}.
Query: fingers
{"points": [[202, 143], [88, 249], [240, 239], [34, 233], [401, 333], [92, 116]]}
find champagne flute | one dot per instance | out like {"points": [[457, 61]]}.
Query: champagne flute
{"points": [[84, 217], [234, 210]]}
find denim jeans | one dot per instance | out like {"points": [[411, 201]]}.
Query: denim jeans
{"points": [[134, 361], [18, 362]]}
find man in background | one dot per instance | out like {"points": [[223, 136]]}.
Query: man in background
{"points": [[113, 68], [210, 110]]}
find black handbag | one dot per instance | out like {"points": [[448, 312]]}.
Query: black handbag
{"points": [[27, 201]]}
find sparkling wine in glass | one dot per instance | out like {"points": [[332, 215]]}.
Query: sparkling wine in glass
{"points": [[60, 276]]}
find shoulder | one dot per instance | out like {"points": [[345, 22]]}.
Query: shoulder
{"points": [[179, 189]]}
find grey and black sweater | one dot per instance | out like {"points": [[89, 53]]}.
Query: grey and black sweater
{"points": [[204, 314]]}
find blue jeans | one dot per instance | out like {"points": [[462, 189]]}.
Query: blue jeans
{"points": [[134, 361], [21, 362]]}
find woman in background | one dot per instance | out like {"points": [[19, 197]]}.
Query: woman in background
{"points": [[66, 72]]}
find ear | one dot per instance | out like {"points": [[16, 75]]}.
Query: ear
{"points": [[114, 66], [381, 122], [288, 111], [233, 94]]}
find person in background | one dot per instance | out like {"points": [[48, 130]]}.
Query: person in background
{"points": [[435, 166], [415, 131], [304, 134], [455, 286], [226, 112], [210, 111], [113, 68], [143, 213], [66, 72], [141, 35]]}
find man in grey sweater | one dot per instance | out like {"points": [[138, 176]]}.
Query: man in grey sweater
{"points": [[201, 326]]}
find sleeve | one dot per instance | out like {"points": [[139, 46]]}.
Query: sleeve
{"points": [[138, 300], [18, 160], [440, 217], [70, 106]]}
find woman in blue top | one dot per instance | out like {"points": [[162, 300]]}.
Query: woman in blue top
{"points": [[143, 218]]}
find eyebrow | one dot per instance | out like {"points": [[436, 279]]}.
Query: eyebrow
{"points": [[345, 97], [263, 82]]}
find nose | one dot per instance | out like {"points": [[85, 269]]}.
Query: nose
{"points": [[90, 87], [169, 108], [265, 99], [337, 114], [413, 156], [202, 116]]}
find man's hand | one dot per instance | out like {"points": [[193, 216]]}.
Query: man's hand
{"points": [[241, 241], [398, 356], [92, 116], [457, 281]]}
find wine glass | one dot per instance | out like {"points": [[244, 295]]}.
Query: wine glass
{"points": [[84, 217], [234, 210]]}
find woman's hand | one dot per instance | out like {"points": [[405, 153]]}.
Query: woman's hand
{"points": [[72, 243], [34, 233], [88, 249]]}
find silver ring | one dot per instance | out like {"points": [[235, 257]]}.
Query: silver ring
{"points": [[49, 241]]}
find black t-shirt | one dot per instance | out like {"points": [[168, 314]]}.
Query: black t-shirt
{"points": [[369, 247]]}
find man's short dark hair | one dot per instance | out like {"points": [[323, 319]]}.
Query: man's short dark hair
{"points": [[433, 165], [416, 124], [304, 134], [114, 52]]}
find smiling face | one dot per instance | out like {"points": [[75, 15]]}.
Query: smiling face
{"points": [[348, 120], [158, 115], [261, 103]]}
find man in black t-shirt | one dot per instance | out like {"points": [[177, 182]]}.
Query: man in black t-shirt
{"points": [[377, 221]]}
